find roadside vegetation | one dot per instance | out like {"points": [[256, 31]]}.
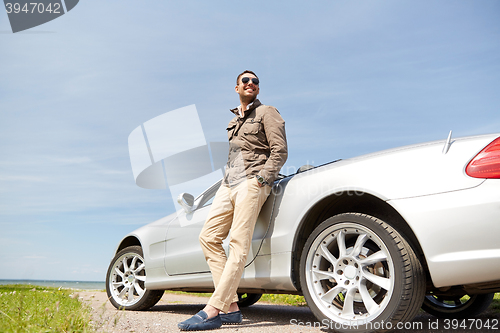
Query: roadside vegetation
{"points": [[495, 305], [286, 299], [27, 308]]}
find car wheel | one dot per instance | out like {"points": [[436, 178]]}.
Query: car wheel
{"points": [[357, 273], [457, 306], [125, 281], [245, 300]]}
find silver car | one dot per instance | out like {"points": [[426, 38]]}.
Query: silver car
{"points": [[366, 240]]}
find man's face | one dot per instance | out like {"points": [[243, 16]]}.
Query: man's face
{"points": [[247, 91]]}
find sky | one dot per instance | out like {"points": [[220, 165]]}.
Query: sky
{"points": [[348, 77]]}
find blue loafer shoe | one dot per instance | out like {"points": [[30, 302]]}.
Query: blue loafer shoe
{"points": [[199, 322], [231, 318]]}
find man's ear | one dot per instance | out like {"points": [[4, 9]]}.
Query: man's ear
{"points": [[236, 88]]}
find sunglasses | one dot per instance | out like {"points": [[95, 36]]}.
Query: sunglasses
{"points": [[247, 79]]}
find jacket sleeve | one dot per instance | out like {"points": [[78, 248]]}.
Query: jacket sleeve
{"points": [[274, 127]]}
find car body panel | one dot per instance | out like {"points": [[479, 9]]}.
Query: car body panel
{"points": [[469, 250], [183, 251]]}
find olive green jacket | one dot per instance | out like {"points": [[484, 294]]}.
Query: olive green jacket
{"points": [[257, 144]]}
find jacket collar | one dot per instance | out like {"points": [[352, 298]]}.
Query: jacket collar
{"points": [[254, 105]]}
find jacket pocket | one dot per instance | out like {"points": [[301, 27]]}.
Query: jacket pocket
{"points": [[252, 127]]}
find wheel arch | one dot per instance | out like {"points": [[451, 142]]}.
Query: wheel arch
{"points": [[349, 202], [128, 241]]}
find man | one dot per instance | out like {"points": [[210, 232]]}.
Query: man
{"points": [[257, 151]]}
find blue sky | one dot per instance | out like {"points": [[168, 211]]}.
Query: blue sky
{"points": [[349, 78]]}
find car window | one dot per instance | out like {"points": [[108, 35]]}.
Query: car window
{"points": [[209, 202]]}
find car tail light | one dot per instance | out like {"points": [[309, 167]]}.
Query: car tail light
{"points": [[486, 164]]}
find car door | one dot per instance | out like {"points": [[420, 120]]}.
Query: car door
{"points": [[183, 250]]}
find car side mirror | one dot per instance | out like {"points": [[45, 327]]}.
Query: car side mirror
{"points": [[186, 201]]}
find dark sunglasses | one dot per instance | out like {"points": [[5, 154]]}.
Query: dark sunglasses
{"points": [[247, 79]]}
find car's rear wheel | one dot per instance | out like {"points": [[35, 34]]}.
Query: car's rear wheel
{"points": [[246, 299], [457, 306], [357, 273], [125, 281]]}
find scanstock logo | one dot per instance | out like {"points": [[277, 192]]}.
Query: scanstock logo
{"points": [[171, 152], [26, 14]]}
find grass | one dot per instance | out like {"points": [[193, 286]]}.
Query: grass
{"points": [[495, 305], [286, 299], [27, 308]]}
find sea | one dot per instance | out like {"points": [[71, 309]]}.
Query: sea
{"points": [[81, 285]]}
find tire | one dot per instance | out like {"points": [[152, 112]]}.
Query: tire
{"points": [[455, 306], [125, 281], [245, 300], [358, 274]]}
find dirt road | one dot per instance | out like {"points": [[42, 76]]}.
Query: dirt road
{"points": [[258, 318]]}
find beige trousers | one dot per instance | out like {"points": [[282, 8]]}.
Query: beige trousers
{"points": [[234, 209]]}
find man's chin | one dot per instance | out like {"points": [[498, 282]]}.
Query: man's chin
{"points": [[248, 99]]}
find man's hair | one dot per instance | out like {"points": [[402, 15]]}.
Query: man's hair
{"points": [[247, 71]]}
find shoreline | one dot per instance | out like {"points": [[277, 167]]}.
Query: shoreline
{"points": [[81, 285]]}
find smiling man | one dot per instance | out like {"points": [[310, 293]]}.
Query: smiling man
{"points": [[257, 151]]}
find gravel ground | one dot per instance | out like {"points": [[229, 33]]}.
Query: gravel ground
{"points": [[259, 318]]}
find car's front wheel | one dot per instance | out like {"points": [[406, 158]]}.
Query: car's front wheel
{"points": [[464, 306], [357, 273], [125, 281]]}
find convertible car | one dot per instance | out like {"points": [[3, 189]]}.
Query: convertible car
{"points": [[366, 240]]}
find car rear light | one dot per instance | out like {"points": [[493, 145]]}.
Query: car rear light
{"points": [[486, 164]]}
